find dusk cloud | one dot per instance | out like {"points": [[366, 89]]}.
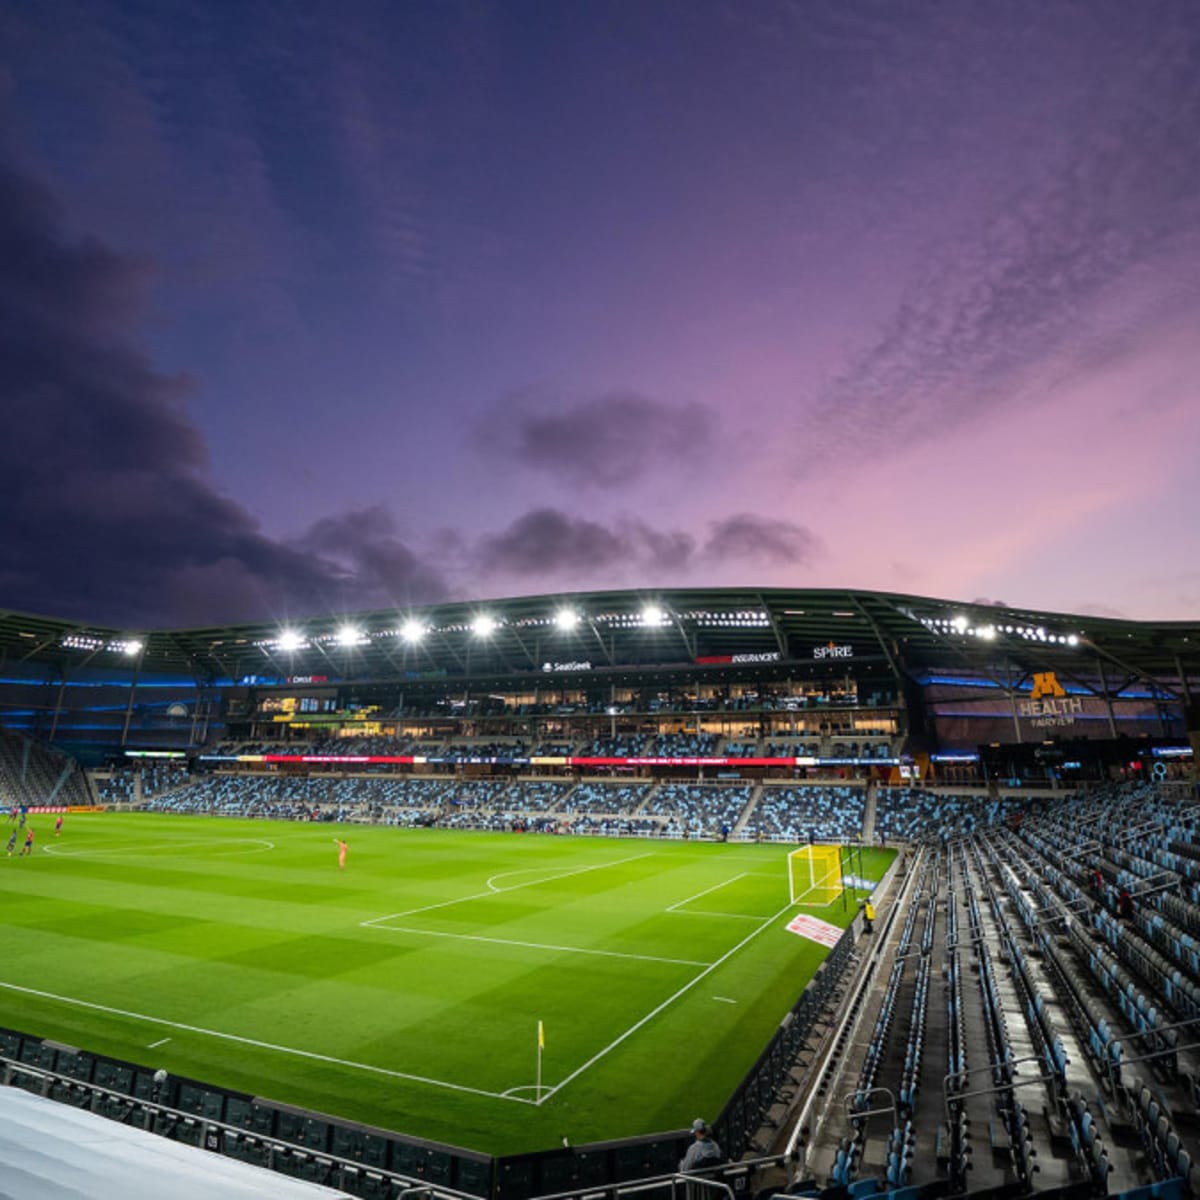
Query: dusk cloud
{"points": [[1029, 279], [605, 441], [547, 541], [108, 509], [766, 540]]}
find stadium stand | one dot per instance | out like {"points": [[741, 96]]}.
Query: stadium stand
{"points": [[814, 812], [32, 773], [1023, 1019]]}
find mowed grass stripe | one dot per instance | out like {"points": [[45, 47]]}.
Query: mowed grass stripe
{"points": [[269, 948]]}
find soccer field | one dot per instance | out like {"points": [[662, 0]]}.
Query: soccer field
{"points": [[406, 990]]}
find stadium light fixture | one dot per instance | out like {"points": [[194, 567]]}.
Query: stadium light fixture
{"points": [[1073, 639], [960, 624], [653, 615], [289, 639], [988, 633], [566, 619], [484, 625], [349, 635], [412, 630]]}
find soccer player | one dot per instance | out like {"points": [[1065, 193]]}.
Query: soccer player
{"points": [[58, 825], [28, 847], [12, 842], [341, 845]]}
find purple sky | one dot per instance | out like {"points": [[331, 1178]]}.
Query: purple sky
{"points": [[317, 306]]}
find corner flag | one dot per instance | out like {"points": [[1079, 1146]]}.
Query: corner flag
{"points": [[540, 1048]]}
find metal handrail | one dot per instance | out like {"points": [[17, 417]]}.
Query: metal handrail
{"points": [[1004, 1087], [856, 1114]]}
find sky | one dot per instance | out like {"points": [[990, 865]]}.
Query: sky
{"points": [[324, 307]]}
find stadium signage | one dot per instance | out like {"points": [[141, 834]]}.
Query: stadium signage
{"points": [[833, 650], [549, 667], [1044, 714], [308, 679], [1049, 706], [708, 660]]}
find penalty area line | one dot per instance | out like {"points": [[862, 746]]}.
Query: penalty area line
{"points": [[654, 1012], [494, 891], [474, 937], [261, 1045]]}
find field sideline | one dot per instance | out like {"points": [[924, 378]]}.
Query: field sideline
{"points": [[406, 990]]}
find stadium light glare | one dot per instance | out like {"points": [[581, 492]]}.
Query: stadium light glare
{"points": [[1073, 639], [412, 630], [988, 633], [348, 635], [653, 615], [289, 639], [484, 625], [132, 647], [566, 619], [960, 624]]}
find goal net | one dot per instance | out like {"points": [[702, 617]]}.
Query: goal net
{"points": [[815, 874]]}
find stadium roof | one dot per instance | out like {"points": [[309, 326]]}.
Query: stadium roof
{"points": [[54, 1151], [633, 629]]}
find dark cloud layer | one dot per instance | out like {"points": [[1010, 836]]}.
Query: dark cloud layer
{"points": [[548, 541], [767, 540], [108, 512], [606, 441]]}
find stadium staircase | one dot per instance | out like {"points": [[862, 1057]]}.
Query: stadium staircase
{"points": [[650, 795], [747, 812], [869, 809]]}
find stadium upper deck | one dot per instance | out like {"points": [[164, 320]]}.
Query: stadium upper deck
{"points": [[949, 676]]}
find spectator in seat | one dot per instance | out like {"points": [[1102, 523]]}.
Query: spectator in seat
{"points": [[703, 1152]]}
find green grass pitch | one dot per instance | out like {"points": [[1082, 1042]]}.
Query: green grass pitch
{"points": [[405, 991]]}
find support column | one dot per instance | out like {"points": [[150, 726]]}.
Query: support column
{"points": [[1112, 721], [137, 671]]}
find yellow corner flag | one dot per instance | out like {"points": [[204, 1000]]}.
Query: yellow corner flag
{"points": [[541, 1037]]}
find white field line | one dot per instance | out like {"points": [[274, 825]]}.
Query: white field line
{"points": [[160, 1042], [687, 987], [246, 1041], [715, 887], [702, 912], [409, 912], [96, 851], [725, 999], [472, 937]]}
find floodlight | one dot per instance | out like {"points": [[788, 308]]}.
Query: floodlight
{"points": [[484, 625], [653, 615], [412, 630], [348, 635], [1073, 640], [289, 639], [988, 633], [132, 647], [566, 619], [960, 624]]}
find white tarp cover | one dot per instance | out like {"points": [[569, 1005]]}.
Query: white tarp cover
{"points": [[51, 1151]]}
